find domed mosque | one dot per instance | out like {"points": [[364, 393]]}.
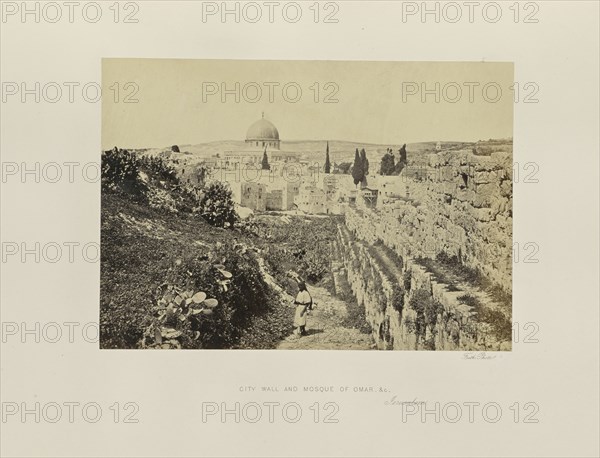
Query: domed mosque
{"points": [[263, 133], [262, 138], [278, 186]]}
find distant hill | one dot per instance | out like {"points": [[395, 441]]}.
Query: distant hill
{"points": [[339, 150]]}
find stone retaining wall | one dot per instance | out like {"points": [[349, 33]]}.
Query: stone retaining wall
{"points": [[456, 203], [406, 309]]}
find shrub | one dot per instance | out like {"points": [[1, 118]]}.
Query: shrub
{"points": [[427, 309], [398, 299], [158, 169], [304, 246], [356, 316], [151, 178], [178, 319], [217, 207], [257, 317], [187, 198], [160, 199], [120, 172], [315, 264]]}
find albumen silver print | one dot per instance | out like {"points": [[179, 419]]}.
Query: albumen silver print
{"points": [[307, 205]]}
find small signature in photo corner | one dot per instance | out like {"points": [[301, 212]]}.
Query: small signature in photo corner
{"points": [[478, 355]]}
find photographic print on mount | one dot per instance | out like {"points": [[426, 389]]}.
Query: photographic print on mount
{"points": [[306, 205]]}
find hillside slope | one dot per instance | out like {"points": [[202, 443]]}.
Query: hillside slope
{"points": [[144, 250]]}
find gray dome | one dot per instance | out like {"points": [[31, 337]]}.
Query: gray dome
{"points": [[262, 130]]}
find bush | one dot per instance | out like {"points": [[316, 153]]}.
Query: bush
{"points": [[120, 172], [304, 246], [217, 206], [145, 178], [160, 199], [427, 309], [178, 319], [158, 169], [398, 299]]}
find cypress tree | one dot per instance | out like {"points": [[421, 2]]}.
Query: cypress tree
{"points": [[403, 154], [365, 161], [327, 162], [265, 161], [402, 161], [357, 169]]}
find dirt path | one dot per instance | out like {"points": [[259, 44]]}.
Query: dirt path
{"points": [[324, 328]]}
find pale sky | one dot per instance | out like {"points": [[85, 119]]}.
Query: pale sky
{"points": [[176, 105]]}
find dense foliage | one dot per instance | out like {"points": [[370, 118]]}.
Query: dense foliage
{"points": [[358, 172], [389, 166], [121, 173], [147, 179], [365, 162], [178, 318], [427, 310], [343, 168], [302, 245], [388, 163], [217, 206]]}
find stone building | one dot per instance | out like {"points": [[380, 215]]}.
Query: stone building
{"points": [[292, 189], [311, 199], [330, 186], [275, 199], [249, 194], [391, 188]]}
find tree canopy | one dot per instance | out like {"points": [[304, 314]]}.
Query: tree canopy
{"points": [[358, 171], [388, 163]]}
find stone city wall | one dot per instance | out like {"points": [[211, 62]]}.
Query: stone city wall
{"points": [[405, 308], [456, 203]]}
